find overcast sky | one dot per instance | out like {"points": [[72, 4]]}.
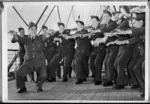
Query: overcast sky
{"points": [[31, 11]]}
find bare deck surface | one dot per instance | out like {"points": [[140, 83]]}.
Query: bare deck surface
{"points": [[69, 91]]}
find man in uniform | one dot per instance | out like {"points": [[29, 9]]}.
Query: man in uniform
{"points": [[49, 48], [98, 53], [21, 48], [64, 51], [82, 51], [34, 59]]}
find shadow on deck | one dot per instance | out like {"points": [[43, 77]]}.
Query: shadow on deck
{"points": [[69, 91]]}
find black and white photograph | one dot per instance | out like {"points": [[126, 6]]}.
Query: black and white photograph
{"points": [[74, 51]]}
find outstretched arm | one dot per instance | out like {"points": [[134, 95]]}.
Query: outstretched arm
{"points": [[128, 41], [16, 37]]}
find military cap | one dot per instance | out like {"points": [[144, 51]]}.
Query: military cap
{"points": [[31, 24], [20, 28], [108, 12], [81, 22], [61, 24], [139, 16], [44, 27], [116, 12], [96, 17]]}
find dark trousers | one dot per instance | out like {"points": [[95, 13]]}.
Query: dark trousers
{"points": [[86, 63], [71, 69], [78, 65], [105, 64], [55, 64], [58, 70], [22, 72], [122, 60], [51, 55], [138, 72], [96, 63], [21, 60], [91, 63], [67, 65], [109, 64], [131, 64]]}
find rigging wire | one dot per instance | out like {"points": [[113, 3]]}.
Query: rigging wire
{"points": [[69, 16], [48, 17], [88, 17], [20, 15], [115, 8], [41, 15], [58, 13]]}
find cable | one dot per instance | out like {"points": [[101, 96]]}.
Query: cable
{"points": [[47, 18], [41, 15], [69, 16], [20, 15]]}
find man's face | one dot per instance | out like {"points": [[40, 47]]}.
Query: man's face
{"points": [[21, 33], [130, 24], [106, 18], [61, 28], [33, 31], [79, 26], [44, 31], [137, 23], [116, 17], [94, 22]]}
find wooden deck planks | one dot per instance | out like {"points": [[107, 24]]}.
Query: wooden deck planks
{"points": [[69, 91]]}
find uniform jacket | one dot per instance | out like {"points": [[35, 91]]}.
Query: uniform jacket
{"points": [[67, 46], [138, 32], [104, 28], [21, 49], [123, 26], [49, 47], [34, 56], [139, 45], [83, 44]]}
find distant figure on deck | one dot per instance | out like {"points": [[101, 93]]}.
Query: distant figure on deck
{"points": [[21, 48], [82, 51], [34, 59], [49, 48], [64, 51]]}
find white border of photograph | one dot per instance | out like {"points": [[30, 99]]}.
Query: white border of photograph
{"points": [[5, 41]]}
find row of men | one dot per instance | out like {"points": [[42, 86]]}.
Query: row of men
{"points": [[116, 44]]}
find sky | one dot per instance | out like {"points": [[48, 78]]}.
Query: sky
{"points": [[31, 11]]}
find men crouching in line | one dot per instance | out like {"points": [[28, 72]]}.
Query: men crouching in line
{"points": [[134, 54]]}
